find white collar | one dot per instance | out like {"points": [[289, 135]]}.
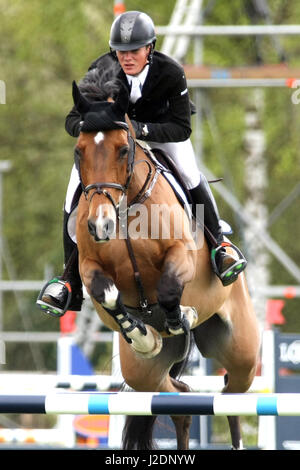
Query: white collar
{"points": [[141, 76]]}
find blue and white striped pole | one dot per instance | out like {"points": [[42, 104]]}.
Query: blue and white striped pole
{"points": [[136, 403]]}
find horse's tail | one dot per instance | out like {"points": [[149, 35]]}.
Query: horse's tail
{"points": [[138, 430]]}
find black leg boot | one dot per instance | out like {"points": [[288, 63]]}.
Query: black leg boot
{"points": [[71, 272], [225, 266], [65, 292]]}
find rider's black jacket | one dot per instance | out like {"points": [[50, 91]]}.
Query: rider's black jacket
{"points": [[164, 106]]}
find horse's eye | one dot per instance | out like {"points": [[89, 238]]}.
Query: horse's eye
{"points": [[123, 151]]}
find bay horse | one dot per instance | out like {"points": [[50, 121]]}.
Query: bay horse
{"points": [[159, 293]]}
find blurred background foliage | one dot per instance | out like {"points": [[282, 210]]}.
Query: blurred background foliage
{"points": [[46, 45]]}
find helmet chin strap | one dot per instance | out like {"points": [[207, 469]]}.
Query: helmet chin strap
{"points": [[150, 56]]}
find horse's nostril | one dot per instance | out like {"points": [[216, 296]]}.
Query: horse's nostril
{"points": [[92, 228], [101, 232], [109, 227]]}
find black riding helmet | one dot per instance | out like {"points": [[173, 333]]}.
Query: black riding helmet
{"points": [[131, 30]]}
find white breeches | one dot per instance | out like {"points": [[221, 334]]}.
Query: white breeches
{"points": [[182, 153], [72, 186]]}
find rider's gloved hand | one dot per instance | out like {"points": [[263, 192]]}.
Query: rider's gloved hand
{"points": [[138, 128]]}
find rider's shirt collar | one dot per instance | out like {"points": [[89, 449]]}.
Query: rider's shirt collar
{"points": [[137, 82]]}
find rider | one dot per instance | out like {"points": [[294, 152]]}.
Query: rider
{"points": [[160, 111]]}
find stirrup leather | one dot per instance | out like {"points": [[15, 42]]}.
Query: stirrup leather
{"points": [[51, 309], [230, 274]]}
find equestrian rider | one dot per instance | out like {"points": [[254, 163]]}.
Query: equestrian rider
{"points": [[160, 112]]}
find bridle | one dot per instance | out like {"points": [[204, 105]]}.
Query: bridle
{"points": [[103, 187]]}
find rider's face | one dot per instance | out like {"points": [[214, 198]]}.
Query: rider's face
{"points": [[133, 62]]}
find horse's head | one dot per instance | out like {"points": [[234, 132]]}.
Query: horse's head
{"points": [[104, 158]]}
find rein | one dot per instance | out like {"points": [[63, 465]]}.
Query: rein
{"points": [[143, 194]]}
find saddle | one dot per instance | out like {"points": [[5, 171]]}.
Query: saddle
{"points": [[168, 169], [165, 160], [158, 156]]}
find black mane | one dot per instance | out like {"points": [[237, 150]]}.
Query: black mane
{"points": [[92, 93], [101, 82]]}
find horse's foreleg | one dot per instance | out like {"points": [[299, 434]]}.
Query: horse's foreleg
{"points": [[143, 338], [178, 270]]}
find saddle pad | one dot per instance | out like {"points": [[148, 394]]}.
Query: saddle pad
{"points": [[180, 194]]}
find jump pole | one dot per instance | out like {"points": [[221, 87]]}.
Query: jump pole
{"points": [[144, 404]]}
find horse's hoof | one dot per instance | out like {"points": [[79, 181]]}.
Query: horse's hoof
{"points": [[240, 446], [157, 346], [190, 314], [188, 321]]}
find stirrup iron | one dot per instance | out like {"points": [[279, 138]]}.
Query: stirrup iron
{"points": [[51, 309], [230, 274]]}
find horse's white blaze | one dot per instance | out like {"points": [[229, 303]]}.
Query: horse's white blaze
{"points": [[106, 221], [98, 137]]}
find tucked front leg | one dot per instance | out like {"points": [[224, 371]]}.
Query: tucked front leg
{"points": [[144, 339], [169, 292], [103, 290], [178, 270]]}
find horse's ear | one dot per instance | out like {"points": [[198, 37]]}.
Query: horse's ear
{"points": [[81, 103], [122, 101]]}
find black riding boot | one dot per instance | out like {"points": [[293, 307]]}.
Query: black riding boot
{"points": [[65, 292], [225, 266]]}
